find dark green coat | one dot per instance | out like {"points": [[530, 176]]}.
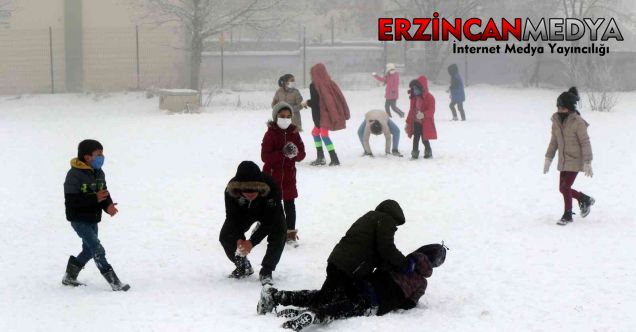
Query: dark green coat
{"points": [[369, 243]]}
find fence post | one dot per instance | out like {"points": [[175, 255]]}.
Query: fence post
{"points": [[332, 31], [466, 69], [222, 67], [385, 51], [51, 59], [406, 60], [137, 54], [304, 58]]}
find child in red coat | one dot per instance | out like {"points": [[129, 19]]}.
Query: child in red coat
{"points": [[421, 119], [281, 149]]}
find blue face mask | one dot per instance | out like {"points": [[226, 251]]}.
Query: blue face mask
{"points": [[417, 91], [97, 162]]}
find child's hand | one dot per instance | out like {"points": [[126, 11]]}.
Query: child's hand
{"points": [[304, 104], [244, 247], [112, 210], [102, 195]]}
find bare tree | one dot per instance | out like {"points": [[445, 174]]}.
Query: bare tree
{"points": [[203, 20], [437, 51]]}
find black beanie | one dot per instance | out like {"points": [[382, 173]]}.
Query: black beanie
{"points": [[569, 99], [248, 171], [86, 147]]}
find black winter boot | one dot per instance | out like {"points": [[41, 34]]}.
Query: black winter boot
{"points": [[585, 203], [320, 160], [334, 158], [265, 277], [396, 153], [415, 154], [73, 268], [114, 282], [428, 153], [243, 268], [566, 219]]}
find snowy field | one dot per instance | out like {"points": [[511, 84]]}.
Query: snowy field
{"points": [[510, 267]]}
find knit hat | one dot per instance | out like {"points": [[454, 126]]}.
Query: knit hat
{"points": [[390, 66], [248, 171], [86, 147], [569, 99], [278, 108]]}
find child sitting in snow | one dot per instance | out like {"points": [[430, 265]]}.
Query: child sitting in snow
{"points": [[384, 291]]}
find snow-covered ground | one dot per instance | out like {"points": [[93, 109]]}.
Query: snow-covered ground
{"points": [[510, 267]]}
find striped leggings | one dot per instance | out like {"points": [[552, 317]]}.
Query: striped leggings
{"points": [[322, 135]]}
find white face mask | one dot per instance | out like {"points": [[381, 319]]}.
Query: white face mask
{"points": [[291, 85], [283, 123]]}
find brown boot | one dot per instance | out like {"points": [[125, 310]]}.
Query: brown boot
{"points": [[292, 237]]}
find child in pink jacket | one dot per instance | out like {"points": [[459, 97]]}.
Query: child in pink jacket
{"points": [[391, 80]]}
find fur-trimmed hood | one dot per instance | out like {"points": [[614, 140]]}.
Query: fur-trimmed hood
{"points": [[248, 177]]}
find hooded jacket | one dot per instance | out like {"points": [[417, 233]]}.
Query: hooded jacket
{"points": [[424, 105], [266, 208], [329, 107], [456, 85], [281, 168], [369, 243], [80, 193]]}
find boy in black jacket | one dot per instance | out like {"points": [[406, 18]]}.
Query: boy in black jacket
{"points": [[253, 196], [85, 196]]}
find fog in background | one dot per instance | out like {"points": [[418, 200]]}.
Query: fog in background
{"points": [[114, 45]]}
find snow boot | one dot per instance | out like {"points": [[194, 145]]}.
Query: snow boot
{"points": [[334, 158], [292, 237], [396, 153], [415, 154], [400, 113], [428, 153], [320, 159], [73, 268], [265, 277], [585, 203], [114, 282], [266, 302], [243, 268], [304, 319], [288, 313], [566, 219]]}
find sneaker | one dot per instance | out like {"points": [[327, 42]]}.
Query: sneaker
{"points": [[266, 302], [265, 278], [585, 204], [396, 153], [566, 218], [301, 321], [243, 268], [288, 313]]}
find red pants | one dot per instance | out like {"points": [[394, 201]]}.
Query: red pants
{"points": [[566, 179]]}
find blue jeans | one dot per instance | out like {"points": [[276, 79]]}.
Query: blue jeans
{"points": [[91, 247], [395, 132]]}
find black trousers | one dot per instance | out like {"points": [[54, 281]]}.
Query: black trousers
{"points": [[417, 134], [290, 213], [339, 297], [461, 110], [390, 104], [233, 231]]}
